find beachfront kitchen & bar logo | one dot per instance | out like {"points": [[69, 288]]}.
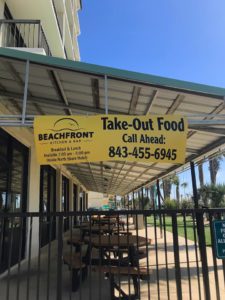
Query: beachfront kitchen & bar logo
{"points": [[66, 124], [64, 129]]}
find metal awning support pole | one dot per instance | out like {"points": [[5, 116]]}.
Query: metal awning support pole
{"points": [[142, 198], [27, 70], [201, 235], [149, 197], [158, 194], [194, 185], [159, 206], [133, 200], [106, 103], [106, 96], [139, 199], [153, 199]]}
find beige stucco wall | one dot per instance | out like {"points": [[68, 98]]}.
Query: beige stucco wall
{"points": [[1, 16], [2, 9]]}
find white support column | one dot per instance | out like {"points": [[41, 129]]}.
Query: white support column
{"points": [[87, 204], [1, 17], [84, 201], [64, 29], [71, 200], [58, 190], [27, 71], [78, 197], [33, 200]]}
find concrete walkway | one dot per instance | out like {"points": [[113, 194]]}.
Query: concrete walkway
{"points": [[192, 288], [96, 287]]}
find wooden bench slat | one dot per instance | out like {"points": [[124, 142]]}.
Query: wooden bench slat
{"points": [[74, 260], [122, 270]]}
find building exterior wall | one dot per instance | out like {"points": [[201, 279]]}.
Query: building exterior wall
{"points": [[59, 19], [2, 9], [63, 43]]}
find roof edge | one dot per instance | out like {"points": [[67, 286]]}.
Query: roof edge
{"points": [[113, 72]]}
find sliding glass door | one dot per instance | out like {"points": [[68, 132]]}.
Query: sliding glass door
{"points": [[47, 203], [65, 200], [75, 202], [13, 198]]}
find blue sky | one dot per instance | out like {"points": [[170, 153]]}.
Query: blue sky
{"points": [[182, 39]]}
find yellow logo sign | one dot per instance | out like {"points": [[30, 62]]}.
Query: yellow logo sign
{"points": [[75, 139]]}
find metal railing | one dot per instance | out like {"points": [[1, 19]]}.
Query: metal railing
{"points": [[121, 255], [23, 33]]}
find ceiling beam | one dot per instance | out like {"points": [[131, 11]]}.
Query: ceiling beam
{"points": [[134, 99], [141, 174], [16, 76], [191, 150], [216, 110], [175, 104], [151, 101], [59, 89], [207, 129], [53, 104], [95, 92]]}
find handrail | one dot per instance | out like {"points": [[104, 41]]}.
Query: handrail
{"points": [[22, 21], [116, 212]]}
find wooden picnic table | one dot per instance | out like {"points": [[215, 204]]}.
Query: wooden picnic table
{"points": [[97, 229], [131, 268], [119, 241], [111, 219]]}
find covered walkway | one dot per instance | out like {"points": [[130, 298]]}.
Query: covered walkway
{"points": [[33, 85]]}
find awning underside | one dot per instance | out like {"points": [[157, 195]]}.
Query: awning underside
{"points": [[57, 90]]}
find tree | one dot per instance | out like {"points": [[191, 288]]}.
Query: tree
{"points": [[214, 166], [175, 181], [201, 174], [213, 195], [184, 186], [167, 187], [153, 196]]}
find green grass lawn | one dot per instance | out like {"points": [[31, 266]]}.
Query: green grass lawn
{"points": [[180, 224]]}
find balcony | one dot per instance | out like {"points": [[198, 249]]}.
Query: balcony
{"points": [[23, 34]]}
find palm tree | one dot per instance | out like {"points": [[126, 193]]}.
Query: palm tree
{"points": [[201, 174], [214, 166], [167, 184], [175, 181], [184, 186]]}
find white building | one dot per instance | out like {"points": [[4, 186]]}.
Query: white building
{"points": [[50, 28], [51, 25]]}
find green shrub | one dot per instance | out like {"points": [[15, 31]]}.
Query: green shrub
{"points": [[170, 204], [186, 204], [213, 195]]}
